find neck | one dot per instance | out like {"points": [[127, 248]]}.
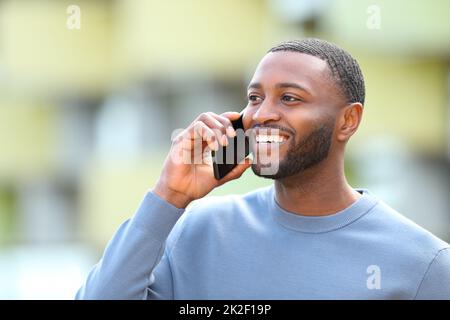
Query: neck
{"points": [[318, 191]]}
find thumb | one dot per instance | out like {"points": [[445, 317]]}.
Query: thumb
{"points": [[237, 171]]}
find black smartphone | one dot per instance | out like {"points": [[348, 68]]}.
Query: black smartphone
{"points": [[226, 158]]}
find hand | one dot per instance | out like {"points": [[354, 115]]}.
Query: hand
{"points": [[187, 172]]}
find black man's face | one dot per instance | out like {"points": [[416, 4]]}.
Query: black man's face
{"points": [[294, 93]]}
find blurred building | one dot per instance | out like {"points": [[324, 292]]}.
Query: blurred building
{"points": [[86, 114]]}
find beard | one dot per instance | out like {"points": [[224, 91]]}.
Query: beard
{"points": [[301, 156]]}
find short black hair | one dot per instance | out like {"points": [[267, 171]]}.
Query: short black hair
{"points": [[344, 68]]}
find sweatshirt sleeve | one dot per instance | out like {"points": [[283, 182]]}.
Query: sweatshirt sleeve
{"points": [[436, 282], [125, 270]]}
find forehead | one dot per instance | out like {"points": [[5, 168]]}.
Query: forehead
{"points": [[285, 66]]}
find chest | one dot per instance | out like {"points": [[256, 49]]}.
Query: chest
{"points": [[306, 268]]}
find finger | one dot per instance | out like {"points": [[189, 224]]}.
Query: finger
{"points": [[216, 125], [189, 146], [226, 121], [213, 121], [199, 156], [207, 157], [232, 115], [201, 132]]}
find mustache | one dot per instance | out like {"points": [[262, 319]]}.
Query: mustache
{"points": [[273, 126]]}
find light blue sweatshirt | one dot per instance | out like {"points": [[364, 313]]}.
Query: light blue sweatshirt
{"points": [[248, 247]]}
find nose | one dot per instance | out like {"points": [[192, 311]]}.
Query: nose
{"points": [[266, 112]]}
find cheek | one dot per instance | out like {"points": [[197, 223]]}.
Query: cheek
{"points": [[247, 118], [302, 121]]}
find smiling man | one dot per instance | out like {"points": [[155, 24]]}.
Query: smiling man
{"points": [[308, 236]]}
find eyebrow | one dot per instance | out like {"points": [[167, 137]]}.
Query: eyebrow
{"points": [[254, 85], [257, 85]]}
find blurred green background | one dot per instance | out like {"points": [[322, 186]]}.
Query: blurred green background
{"points": [[86, 114]]}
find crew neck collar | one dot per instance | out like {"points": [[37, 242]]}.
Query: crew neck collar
{"points": [[322, 224]]}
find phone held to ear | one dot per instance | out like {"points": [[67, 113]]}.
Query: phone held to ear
{"points": [[226, 158]]}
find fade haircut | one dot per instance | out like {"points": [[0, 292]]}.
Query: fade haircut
{"points": [[345, 70]]}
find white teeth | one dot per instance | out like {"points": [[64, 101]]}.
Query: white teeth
{"points": [[270, 138]]}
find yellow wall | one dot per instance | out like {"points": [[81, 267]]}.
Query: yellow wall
{"points": [[406, 98], [405, 26], [198, 35], [27, 139], [41, 55]]}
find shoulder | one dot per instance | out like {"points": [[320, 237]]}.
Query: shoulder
{"points": [[404, 234], [435, 283], [410, 230], [417, 254]]}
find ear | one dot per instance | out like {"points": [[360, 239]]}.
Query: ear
{"points": [[349, 121]]}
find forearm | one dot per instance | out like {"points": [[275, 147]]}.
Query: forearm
{"points": [[133, 252]]}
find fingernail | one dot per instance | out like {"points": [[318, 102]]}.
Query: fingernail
{"points": [[224, 140], [231, 132]]}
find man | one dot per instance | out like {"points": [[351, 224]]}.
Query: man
{"points": [[308, 236]]}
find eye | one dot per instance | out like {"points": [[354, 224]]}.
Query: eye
{"points": [[287, 98], [254, 98]]}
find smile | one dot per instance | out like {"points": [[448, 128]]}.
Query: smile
{"points": [[273, 138]]}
